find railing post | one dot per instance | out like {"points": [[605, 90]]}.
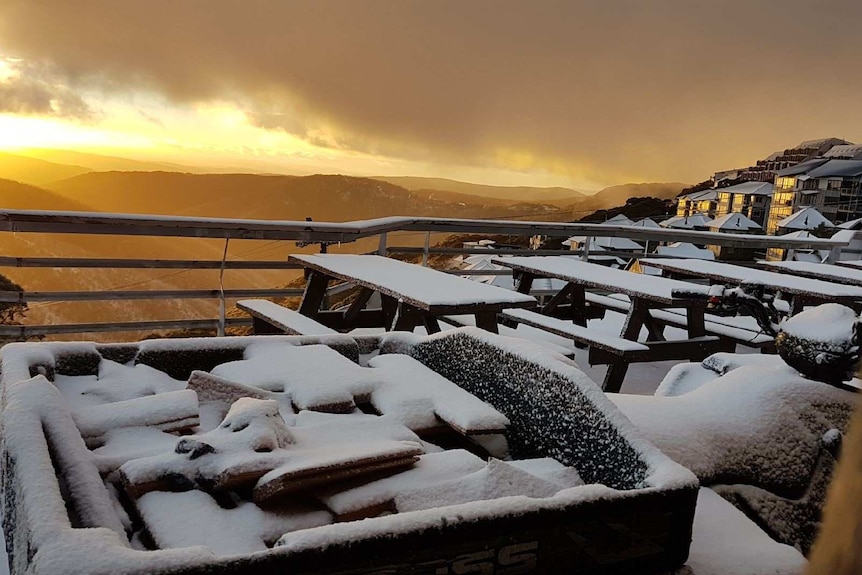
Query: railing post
{"points": [[585, 255], [221, 305], [425, 249], [381, 246]]}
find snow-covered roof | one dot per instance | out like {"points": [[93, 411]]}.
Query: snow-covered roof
{"points": [[802, 167], [606, 242], [702, 195], [687, 222], [734, 221], [852, 225], [805, 219], [844, 151], [685, 250], [482, 262], [646, 223], [837, 168], [749, 188], [619, 220], [820, 142]]}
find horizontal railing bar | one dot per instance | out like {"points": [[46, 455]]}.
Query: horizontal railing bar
{"points": [[479, 251], [25, 331], [28, 262], [68, 296], [311, 232]]}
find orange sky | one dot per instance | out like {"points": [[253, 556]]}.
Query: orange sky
{"points": [[581, 94]]}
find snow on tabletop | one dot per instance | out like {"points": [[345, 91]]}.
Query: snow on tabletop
{"points": [[726, 542], [756, 424], [121, 382], [315, 376], [827, 271], [739, 274], [414, 282], [831, 322], [410, 392], [601, 276], [431, 469], [193, 518], [497, 479]]}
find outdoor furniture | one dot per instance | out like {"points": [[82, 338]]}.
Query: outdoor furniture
{"points": [[410, 294], [646, 293], [801, 291], [826, 272], [270, 318]]}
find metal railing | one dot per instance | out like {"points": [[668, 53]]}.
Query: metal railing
{"points": [[301, 232]]}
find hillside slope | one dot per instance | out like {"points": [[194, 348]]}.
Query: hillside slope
{"points": [[35, 171], [511, 193], [331, 198]]}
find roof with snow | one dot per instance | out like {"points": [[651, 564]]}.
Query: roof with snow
{"points": [[805, 219], [852, 225], [749, 188], [819, 143], [606, 242], [802, 167], [702, 195], [619, 220], [687, 222], [734, 221], [850, 151], [685, 250], [646, 223], [837, 168]]}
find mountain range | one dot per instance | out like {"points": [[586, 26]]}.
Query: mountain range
{"points": [[130, 186]]}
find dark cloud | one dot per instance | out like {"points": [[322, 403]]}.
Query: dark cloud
{"points": [[30, 90], [609, 90]]}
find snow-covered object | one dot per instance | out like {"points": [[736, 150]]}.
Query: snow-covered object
{"points": [[821, 342], [496, 479], [170, 411], [758, 431], [652, 490], [315, 376], [646, 223], [193, 518], [685, 250], [413, 393]]}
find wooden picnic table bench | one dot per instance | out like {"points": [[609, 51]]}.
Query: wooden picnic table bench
{"points": [[802, 290], [410, 294], [646, 293], [270, 318], [737, 329], [826, 272]]}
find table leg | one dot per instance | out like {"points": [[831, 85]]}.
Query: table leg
{"points": [[558, 298], [579, 305], [696, 321], [358, 305], [524, 282], [431, 324], [389, 306], [405, 318], [315, 292], [487, 320], [614, 377], [635, 320]]}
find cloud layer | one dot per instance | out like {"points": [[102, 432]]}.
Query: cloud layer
{"points": [[605, 90]]}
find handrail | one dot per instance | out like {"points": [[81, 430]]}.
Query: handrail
{"points": [[142, 225], [303, 232]]}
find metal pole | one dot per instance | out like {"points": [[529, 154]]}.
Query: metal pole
{"points": [[381, 246], [425, 249], [586, 251], [221, 304]]}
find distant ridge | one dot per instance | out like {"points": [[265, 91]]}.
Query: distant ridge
{"points": [[35, 171], [530, 194]]}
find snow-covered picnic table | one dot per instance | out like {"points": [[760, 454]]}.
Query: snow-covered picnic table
{"points": [[644, 292], [802, 291], [410, 294], [826, 272]]}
